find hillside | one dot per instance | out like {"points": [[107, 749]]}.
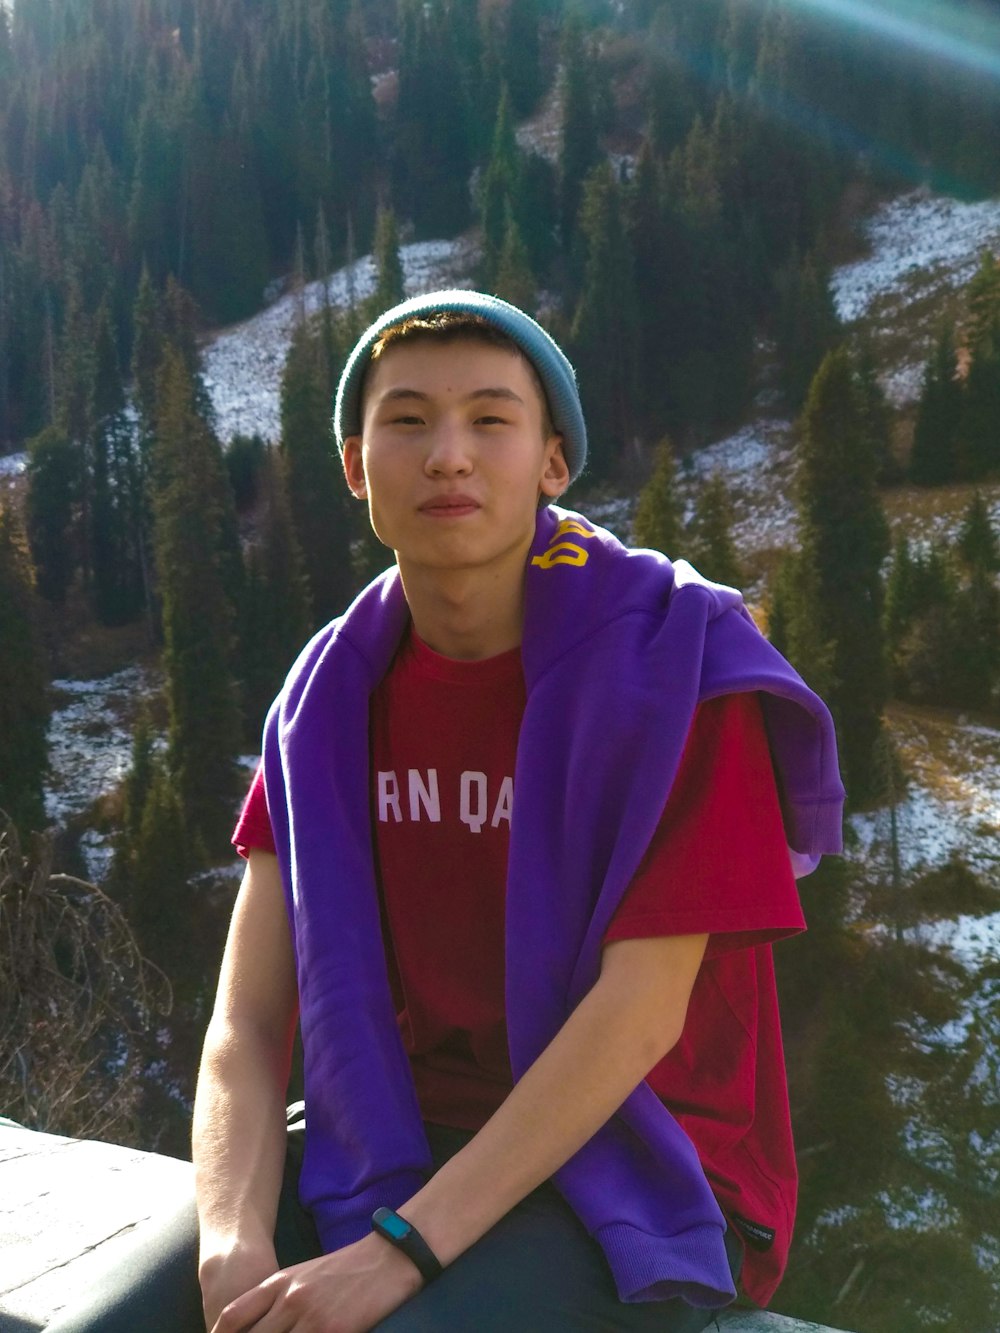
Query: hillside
{"points": [[916, 243], [748, 226]]}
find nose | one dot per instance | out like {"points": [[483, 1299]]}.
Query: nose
{"points": [[448, 454]]}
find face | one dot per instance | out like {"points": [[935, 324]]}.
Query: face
{"points": [[452, 456]]}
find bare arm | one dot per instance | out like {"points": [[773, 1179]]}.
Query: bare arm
{"points": [[623, 1027], [632, 1016], [239, 1112]]}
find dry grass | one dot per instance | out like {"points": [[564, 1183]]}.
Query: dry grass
{"points": [[80, 648], [902, 324], [76, 997], [927, 513], [953, 756]]}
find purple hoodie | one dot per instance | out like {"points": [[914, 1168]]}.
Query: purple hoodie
{"points": [[619, 646]]}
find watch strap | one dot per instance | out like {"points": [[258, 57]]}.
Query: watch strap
{"points": [[405, 1236]]}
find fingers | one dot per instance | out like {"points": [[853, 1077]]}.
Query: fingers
{"points": [[247, 1310]]}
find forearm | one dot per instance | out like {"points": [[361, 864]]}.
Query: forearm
{"points": [[238, 1138], [604, 1050]]}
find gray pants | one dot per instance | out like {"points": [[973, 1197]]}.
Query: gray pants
{"points": [[537, 1269]]}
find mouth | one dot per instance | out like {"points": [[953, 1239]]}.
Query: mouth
{"points": [[449, 506]]}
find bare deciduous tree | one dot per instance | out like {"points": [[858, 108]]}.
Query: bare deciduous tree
{"points": [[77, 1000]]}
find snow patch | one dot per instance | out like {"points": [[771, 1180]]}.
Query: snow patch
{"points": [[902, 385], [98, 852], [12, 465], [917, 235], [90, 738], [616, 515], [757, 464], [973, 939], [952, 808]]}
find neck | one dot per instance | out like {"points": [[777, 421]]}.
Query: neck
{"points": [[466, 614]]}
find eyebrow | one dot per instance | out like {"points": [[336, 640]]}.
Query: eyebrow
{"points": [[490, 391]]}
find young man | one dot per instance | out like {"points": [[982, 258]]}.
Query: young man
{"points": [[516, 858]]}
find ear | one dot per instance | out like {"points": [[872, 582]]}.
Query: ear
{"points": [[354, 467], [555, 474]]}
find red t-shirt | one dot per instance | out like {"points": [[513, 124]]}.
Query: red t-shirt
{"points": [[444, 741]]}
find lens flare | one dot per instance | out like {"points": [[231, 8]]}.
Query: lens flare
{"points": [[964, 37]]}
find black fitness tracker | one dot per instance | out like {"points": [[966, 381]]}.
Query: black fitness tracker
{"points": [[397, 1231]]}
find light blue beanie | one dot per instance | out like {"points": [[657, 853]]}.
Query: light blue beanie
{"points": [[544, 353]]}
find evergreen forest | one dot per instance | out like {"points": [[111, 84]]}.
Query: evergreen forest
{"points": [[668, 186]]}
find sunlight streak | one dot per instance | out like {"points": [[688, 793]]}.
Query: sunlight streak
{"points": [[958, 36]]}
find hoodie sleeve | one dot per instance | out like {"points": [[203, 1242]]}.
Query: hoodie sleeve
{"points": [[718, 862]]}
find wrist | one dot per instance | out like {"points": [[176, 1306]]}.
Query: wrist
{"points": [[228, 1268], [398, 1270], [399, 1232], [218, 1254]]}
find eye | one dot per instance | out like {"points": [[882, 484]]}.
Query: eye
{"points": [[491, 421]]}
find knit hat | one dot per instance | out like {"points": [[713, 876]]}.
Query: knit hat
{"points": [[544, 353]]}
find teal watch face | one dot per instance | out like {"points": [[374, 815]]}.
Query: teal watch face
{"points": [[394, 1226]]}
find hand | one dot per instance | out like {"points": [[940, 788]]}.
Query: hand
{"points": [[348, 1291], [226, 1274]]}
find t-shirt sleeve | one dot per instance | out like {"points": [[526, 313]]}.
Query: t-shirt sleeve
{"points": [[718, 863], [253, 828]]}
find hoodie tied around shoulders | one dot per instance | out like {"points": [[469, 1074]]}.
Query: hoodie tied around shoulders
{"points": [[619, 647]]}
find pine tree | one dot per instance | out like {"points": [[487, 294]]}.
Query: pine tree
{"points": [[157, 189], [605, 333], [934, 458], [179, 327], [321, 253], [521, 64], [198, 616], [711, 379], [155, 870], [930, 657], [979, 432], [433, 142], [515, 281], [877, 414], [845, 534], [316, 490], [977, 640], [902, 604], [390, 287], [500, 191], [53, 496], [977, 538], [663, 274], [983, 300], [75, 372], [24, 707], [357, 150], [579, 151], [712, 548], [979, 426], [658, 516], [228, 240], [796, 623], [147, 348], [276, 617], [539, 220], [478, 50], [806, 324], [245, 458], [139, 779], [116, 587]]}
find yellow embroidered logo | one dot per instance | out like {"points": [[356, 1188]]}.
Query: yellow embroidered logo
{"points": [[560, 552]]}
